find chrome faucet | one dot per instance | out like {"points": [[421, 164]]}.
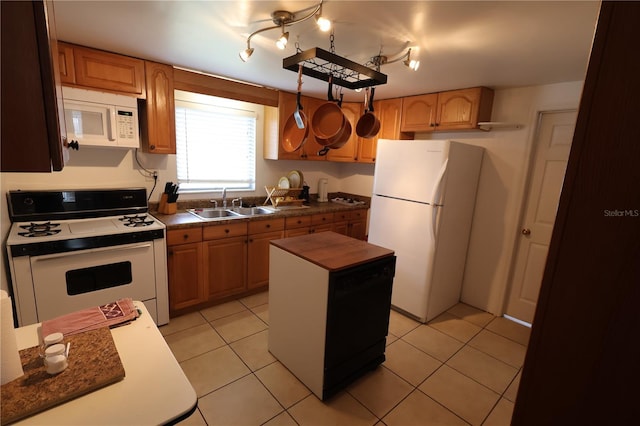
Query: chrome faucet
{"points": [[224, 198], [233, 202]]}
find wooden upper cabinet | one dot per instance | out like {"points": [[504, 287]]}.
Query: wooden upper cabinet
{"points": [[101, 70], [463, 109], [349, 151], [419, 113], [453, 110], [65, 63], [158, 114], [32, 120]]}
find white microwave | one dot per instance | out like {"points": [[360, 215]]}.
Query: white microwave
{"points": [[101, 119]]}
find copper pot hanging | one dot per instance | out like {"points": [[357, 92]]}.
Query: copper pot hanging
{"points": [[368, 125], [328, 120]]}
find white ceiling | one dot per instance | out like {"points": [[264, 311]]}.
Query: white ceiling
{"points": [[461, 43]]}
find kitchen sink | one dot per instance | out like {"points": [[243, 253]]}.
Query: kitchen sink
{"points": [[213, 213], [253, 211], [236, 212]]}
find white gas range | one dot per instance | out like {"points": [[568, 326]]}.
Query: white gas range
{"points": [[70, 250]]}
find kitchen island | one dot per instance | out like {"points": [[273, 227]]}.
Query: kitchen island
{"points": [[329, 305]]}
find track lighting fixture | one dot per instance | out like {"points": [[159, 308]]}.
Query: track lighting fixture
{"points": [[246, 53], [413, 64], [284, 38], [283, 18]]}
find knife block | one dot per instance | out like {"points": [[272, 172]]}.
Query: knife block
{"points": [[165, 207]]}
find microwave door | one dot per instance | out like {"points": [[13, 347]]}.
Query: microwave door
{"points": [[89, 124]]}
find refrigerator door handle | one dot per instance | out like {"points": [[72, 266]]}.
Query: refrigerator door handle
{"points": [[437, 186], [435, 211]]}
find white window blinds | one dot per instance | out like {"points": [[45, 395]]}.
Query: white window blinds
{"points": [[215, 147]]}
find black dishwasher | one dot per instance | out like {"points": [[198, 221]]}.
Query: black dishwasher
{"points": [[358, 307]]}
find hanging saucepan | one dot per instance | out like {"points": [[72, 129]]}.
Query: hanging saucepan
{"points": [[328, 120], [296, 128], [368, 125], [339, 140]]}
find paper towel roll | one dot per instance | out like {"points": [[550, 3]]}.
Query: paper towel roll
{"points": [[9, 357]]}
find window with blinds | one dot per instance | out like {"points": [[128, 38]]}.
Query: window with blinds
{"points": [[215, 145]]}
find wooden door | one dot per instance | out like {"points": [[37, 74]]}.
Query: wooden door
{"points": [[555, 132], [464, 108], [109, 71], [159, 131], [225, 266], [258, 258], [419, 113], [185, 268], [65, 63]]}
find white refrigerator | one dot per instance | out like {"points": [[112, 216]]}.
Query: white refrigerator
{"points": [[424, 194]]}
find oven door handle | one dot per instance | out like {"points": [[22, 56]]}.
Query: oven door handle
{"points": [[95, 250]]}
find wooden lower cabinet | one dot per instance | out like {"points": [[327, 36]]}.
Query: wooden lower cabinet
{"points": [[297, 225], [185, 266], [225, 266], [260, 235], [210, 264], [352, 223], [186, 283]]}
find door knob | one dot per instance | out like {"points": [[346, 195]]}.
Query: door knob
{"points": [[526, 231]]}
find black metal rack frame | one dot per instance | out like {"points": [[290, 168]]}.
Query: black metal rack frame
{"points": [[320, 64]]}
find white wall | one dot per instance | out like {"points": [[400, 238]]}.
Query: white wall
{"points": [[498, 205]]}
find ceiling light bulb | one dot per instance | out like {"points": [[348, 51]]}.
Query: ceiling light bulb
{"points": [[414, 65], [323, 23], [246, 53], [282, 41]]}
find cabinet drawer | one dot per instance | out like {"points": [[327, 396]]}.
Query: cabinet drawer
{"points": [[322, 218], [259, 226], [184, 236], [297, 222], [357, 215], [224, 231], [341, 216]]}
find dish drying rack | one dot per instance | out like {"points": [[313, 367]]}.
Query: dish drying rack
{"points": [[283, 197]]}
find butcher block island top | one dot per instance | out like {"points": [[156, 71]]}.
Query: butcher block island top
{"points": [[332, 251]]}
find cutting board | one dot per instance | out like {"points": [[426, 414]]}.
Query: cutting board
{"points": [[93, 363]]}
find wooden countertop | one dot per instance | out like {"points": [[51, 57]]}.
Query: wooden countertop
{"points": [[332, 251]]}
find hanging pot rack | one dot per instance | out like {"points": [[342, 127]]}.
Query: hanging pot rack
{"points": [[320, 64]]}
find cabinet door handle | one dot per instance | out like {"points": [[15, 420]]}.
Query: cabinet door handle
{"points": [[185, 237], [268, 225], [226, 231]]}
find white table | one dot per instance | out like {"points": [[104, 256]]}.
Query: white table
{"points": [[154, 390]]}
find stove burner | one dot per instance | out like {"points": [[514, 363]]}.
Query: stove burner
{"points": [[136, 221], [39, 229]]}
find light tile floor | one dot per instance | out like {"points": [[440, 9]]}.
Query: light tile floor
{"points": [[462, 368]]}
